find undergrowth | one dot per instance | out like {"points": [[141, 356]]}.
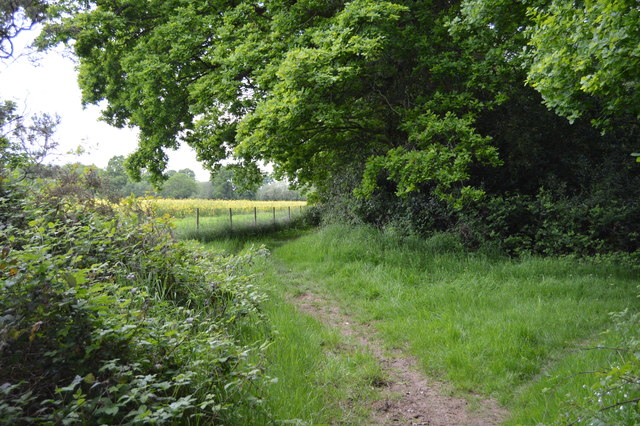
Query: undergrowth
{"points": [[106, 319]]}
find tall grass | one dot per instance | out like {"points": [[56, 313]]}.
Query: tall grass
{"points": [[517, 330], [502, 327], [318, 378]]}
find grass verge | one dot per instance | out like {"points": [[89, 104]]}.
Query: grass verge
{"points": [[320, 378], [502, 327]]}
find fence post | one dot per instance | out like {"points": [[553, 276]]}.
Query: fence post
{"points": [[230, 218], [197, 219], [289, 212], [255, 216], [274, 215]]}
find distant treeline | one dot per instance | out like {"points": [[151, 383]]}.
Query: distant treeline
{"points": [[114, 182]]}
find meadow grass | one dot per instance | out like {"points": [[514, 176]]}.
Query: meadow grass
{"points": [[512, 329], [491, 325], [321, 378], [212, 228]]}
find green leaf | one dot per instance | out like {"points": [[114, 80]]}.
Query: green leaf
{"points": [[89, 379]]}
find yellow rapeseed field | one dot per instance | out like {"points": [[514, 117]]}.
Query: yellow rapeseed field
{"points": [[182, 208]]}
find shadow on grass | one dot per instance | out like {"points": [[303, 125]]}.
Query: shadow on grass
{"points": [[237, 238]]}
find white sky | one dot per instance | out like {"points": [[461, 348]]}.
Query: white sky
{"points": [[50, 86]]}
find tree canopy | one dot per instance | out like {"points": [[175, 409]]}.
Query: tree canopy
{"points": [[179, 185], [420, 95], [587, 56], [313, 86]]}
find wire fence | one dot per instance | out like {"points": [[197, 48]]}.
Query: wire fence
{"points": [[231, 218]]}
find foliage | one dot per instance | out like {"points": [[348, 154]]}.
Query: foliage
{"points": [[546, 225], [121, 184], [104, 318], [446, 163], [313, 87], [25, 141], [586, 57], [179, 185], [187, 172], [226, 186], [615, 397], [17, 16]]}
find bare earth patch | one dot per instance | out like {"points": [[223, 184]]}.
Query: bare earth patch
{"points": [[410, 398]]}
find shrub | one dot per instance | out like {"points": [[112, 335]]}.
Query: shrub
{"points": [[553, 225], [105, 318]]}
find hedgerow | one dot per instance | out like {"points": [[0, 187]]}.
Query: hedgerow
{"points": [[106, 319]]}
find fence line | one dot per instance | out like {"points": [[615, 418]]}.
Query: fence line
{"points": [[236, 216]]}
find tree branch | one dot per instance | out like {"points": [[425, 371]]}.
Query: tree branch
{"points": [[630, 401]]}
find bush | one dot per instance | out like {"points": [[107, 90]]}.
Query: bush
{"points": [[105, 318], [553, 225], [420, 214]]}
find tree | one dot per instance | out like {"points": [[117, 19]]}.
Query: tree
{"points": [[390, 96], [314, 87], [188, 172], [227, 185], [222, 187], [26, 141], [17, 16], [121, 184], [116, 172], [586, 57], [179, 186]]}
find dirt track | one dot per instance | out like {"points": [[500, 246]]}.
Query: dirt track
{"points": [[409, 397]]}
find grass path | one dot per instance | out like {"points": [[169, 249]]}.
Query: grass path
{"points": [[408, 397], [492, 327], [375, 385]]}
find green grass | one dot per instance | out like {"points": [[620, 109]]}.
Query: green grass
{"points": [[509, 329], [504, 328], [220, 226], [322, 378], [491, 325]]}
